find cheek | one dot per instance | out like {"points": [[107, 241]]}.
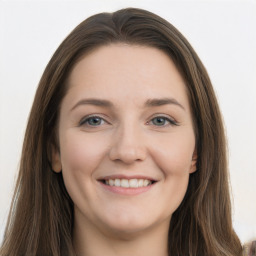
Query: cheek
{"points": [[80, 152], [175, 162], [173, 154], [80, 156], [175, 190]]}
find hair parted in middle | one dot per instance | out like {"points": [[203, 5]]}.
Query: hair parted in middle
{"points": [[42, 208]]}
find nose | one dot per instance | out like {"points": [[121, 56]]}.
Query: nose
{"points": [[128, 146]]}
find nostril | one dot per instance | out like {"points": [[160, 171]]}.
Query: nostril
{"points": [[127, 151]]}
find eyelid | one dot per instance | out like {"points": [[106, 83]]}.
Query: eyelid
{"points": [[85, 118], [171, 120]]}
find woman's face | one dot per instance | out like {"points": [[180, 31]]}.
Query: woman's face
{"points": [[127, 145]]}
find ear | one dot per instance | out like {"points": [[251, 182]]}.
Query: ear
{"points": [[193, 166], [55, 159]]}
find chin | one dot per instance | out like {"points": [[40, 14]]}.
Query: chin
{"points": [[127, 232], [128, 224], [126, 227]]}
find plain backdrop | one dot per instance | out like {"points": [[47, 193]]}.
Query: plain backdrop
{"points": [[222, 33]]}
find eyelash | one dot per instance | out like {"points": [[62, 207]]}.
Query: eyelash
{"points": [[85, 121], [166, 119]]}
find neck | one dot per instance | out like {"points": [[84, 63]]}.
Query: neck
{"points": [[90, 241]]}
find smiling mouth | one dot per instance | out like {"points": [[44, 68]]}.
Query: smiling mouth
{"points": [[128, 183]]}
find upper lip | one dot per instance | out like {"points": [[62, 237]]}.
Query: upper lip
{"points": [[121, 176]]}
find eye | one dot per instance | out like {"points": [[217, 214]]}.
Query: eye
{"points": [[92, 121], [162, 121]]}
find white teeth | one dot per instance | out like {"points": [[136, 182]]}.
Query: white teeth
{"points": [[140, 183], [133, 183], [125, 183], [146, 182], [117, 183]]}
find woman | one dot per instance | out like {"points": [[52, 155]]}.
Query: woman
{"points": [[124, 152]]}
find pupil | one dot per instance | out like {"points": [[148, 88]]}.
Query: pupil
{"points": [[94, 121], [159, 121]]}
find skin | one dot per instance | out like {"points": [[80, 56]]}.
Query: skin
{"points": [[126, 140]]}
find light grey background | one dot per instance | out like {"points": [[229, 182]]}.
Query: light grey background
{"points": [[223, 34]]}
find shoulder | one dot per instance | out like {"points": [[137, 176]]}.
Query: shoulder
{"points": [[249, 249]]}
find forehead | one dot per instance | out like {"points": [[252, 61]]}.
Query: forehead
{"points": [[127, 72]]}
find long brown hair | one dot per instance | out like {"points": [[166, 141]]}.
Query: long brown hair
{"points": [[41, 217]]}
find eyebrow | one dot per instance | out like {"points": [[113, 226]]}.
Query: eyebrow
{"points": [[109, 104], [95, 102], [162, 101]]}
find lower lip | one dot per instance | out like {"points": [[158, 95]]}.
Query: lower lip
{"points": [[127, 191]]}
